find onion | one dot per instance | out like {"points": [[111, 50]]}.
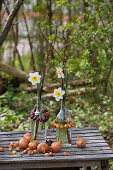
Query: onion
{"points": [[27, 136], [56, 146], [12, 144], [23, 143], [10, 148], [30, 152], [42, 147], [25, 152], [51, 154], [33, 145], [81, 142], [35, 151], [17, 143], [66, 126], [46, 154], [13, 152], [1, 149], [18, 149], [61, 126], [65, 153]]}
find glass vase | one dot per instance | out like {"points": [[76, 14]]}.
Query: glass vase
{"points": [[64, 135], [38, 130]]}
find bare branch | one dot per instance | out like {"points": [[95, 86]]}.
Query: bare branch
{"points": [[19, 21], [50, 44], [14, 37], [30, 42], [8, 24]]}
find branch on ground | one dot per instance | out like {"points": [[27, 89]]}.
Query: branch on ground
{"points": [[70, 93], [21, 75]]}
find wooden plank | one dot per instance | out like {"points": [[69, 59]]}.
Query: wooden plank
{"points": [[56, 158], [54, 138], [51, 130], [71, 152], [75, 137], [83, 154], [53, 164]]}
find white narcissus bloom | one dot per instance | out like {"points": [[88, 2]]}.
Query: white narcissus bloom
{"points": [[34, 78], [58, 94], [60, 73]]}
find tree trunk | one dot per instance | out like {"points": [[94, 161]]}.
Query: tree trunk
{"points": [[9, 22], [85, 5], [15, 38]]}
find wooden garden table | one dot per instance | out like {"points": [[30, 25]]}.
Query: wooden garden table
{"points": [[97, 152]]}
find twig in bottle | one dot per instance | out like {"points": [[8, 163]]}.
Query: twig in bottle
{"points": [[68, 136]]}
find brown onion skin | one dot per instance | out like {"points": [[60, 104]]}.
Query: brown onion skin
{"points": [[1, 149], [56, 146], [65, 153], [81, 142], [33, 145], [46, 154], [23, 143], [51, 154], [42, 147], [27, 136]]}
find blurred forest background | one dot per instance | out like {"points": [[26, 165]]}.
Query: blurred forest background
{"points": [[83, 30]]}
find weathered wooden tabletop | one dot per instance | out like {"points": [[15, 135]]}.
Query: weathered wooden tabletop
{"points": [[96, 153]]}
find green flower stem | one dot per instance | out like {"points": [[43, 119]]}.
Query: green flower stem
{"points": [[38, 94], [33, 130], [64, 134], [35, 124], [59, 134]]}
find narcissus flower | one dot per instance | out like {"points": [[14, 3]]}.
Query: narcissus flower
{"points": [[60, 73], [58, 94], [34, 78]]}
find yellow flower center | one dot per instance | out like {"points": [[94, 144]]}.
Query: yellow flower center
{"points": [[59, 72], [58, 93], [34, 78]]}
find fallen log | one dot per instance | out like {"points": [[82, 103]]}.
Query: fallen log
{"points": [[50, 87], [70, 93], [21, 75], [76, 100]]}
